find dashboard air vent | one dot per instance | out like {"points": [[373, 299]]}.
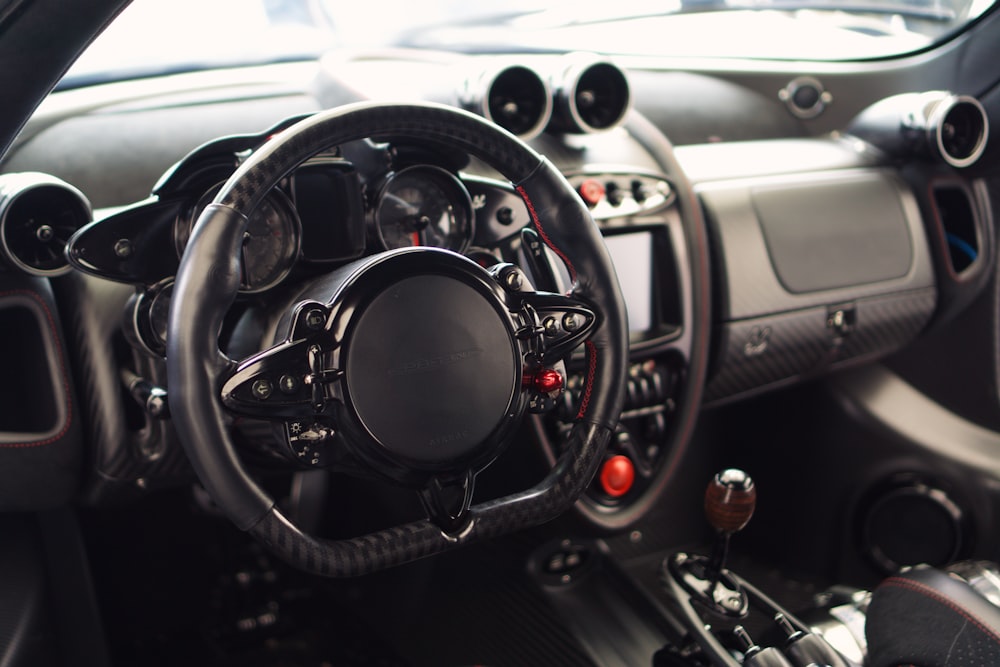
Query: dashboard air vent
{"points": [[955, 211], [960, 130], [937, 124], [591, 96], [516, 98], [805, 97], [38, 214]]}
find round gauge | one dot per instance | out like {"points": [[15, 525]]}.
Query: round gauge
{"points": [[147, 317], [424, 206], [482, 257], [270, 244], [159, 309]]}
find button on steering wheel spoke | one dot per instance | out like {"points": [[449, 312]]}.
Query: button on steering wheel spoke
{"points": [[559, 323], [284, 382]]}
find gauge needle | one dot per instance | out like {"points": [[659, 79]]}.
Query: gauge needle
{"points": [[420, 223]]}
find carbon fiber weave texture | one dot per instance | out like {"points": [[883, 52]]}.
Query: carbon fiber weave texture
{"points": [[402, 544]]}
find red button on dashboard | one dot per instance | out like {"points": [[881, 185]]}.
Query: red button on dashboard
{"points": [[591, 191], [617, 476]]}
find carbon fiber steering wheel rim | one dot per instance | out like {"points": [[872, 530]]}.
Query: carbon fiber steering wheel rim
{"points": [[207, 284]]}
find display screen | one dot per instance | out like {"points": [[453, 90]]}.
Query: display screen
{"points": [[632, 254]]}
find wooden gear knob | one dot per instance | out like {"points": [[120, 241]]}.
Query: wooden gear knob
{"points": [[730, 500]]}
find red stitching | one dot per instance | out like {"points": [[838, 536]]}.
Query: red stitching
{"points": [[931, 593], [62, 367], [589, 385], [591, 348], [541, 232]]}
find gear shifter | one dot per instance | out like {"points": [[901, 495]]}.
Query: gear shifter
{"points": [[715, 602], [730, 500]]}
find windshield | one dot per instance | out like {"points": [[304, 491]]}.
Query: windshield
{"points": [[156, 37]]}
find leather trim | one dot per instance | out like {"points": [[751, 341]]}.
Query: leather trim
{"points": [[929, 592], [926, 617], [54, 339]]}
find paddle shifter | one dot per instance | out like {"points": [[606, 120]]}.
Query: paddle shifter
{"points": [[717, 606]]}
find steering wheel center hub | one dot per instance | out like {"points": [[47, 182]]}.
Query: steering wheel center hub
{"points": [[432, 370]]}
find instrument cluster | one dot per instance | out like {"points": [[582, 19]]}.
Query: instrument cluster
{"points": [[354, 201]]}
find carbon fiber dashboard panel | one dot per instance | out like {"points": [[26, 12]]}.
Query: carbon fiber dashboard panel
{"points": [[875, 291], [765, 352], [132, 452]]}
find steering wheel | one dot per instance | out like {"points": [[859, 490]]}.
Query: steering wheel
{"points": [[418, 363]]}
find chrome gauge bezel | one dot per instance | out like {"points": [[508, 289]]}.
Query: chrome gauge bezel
{"points": [[283, 213], [146, 317], [424, 178]]}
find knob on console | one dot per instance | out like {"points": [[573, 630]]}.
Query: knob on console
{"points": [[730, 499]]}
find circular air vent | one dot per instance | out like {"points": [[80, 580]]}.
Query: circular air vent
{"points": [[516, 98], [591, 97], [907, 520], [38, 214], [960, 129], [805, 97]]}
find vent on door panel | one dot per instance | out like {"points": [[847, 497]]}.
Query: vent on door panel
{"points": [[957, 217], [29, 393]]}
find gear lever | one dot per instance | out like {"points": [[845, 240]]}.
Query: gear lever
{"points": [[714, 601], [730, 500], [729, 503]]}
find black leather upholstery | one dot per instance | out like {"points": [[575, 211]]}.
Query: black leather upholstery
{"points": [[928, 618]]}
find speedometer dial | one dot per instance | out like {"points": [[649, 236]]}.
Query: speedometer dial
{"points": [[424, 205], [270, 244]]}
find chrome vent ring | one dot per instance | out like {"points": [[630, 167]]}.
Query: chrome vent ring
{"points": [[960, 130], [38, 214]]}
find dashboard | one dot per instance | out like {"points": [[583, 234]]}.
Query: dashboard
{"points": [[325, 316], [823, 254]]}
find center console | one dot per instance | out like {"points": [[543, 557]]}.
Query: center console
{"points": [[639, 218], [717, 605], [680, 607]]}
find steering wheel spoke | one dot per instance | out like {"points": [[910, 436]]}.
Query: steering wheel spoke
{"points": [[557, 324], [285, 382], [447, 502], [289, 381]]}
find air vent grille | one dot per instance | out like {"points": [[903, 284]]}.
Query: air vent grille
{"points": [[519, 101], [591, 96], [956, 214], [514, 97], [38, 214], [961, 131]]}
